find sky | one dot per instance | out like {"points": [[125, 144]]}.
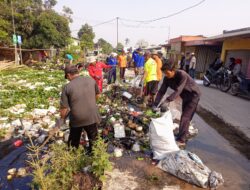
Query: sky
{"points": [[209, 18]]}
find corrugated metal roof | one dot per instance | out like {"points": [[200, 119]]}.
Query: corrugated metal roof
{"points": [[243, 33]]}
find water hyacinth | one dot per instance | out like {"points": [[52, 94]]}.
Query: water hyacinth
{"points": [[29, 99]]}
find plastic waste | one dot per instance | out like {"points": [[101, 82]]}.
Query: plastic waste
{"points": [[41, 139], [18, 143], [21, 172], [189, 167], [136, 147], [118, 152], [12, 171], [127, 95], [161, 136], [119, 130]]}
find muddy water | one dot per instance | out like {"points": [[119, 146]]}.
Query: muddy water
{"points": [[219, 155]]}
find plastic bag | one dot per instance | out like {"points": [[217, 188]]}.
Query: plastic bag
{"points": [[136, 81], [161, 136], [189, 167]]}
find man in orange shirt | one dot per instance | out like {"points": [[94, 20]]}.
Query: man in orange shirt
{"points": [[122, 63], [159, 65]]}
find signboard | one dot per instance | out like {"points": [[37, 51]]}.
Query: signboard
{"points": [[14, 38], [19, 39]]}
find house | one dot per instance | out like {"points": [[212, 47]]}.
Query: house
{"points": [[177, 46], [236, 43], [205, 51]]}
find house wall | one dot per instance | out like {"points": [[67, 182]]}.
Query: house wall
{"points": [[234, 44]]}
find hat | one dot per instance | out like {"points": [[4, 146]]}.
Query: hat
{"points": [[154, 52], [70, 69], [138, 49], [238, 61], [91, 59], [147, 53], [160, 53]]}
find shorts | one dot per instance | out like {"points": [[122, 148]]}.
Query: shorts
{"points": [[151, 88]]}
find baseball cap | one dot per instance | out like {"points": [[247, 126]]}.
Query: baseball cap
{"points": [[70, 69]]}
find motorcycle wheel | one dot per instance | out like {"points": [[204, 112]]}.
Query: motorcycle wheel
{"points": [[205, 82], [225, 85], [235, 89]]}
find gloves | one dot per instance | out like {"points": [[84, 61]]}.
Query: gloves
{"points": [[164, 107], [155, 109]]}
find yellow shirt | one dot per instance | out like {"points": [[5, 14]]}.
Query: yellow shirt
{"points": [[159, 65], [122, 61], [150, 67]]}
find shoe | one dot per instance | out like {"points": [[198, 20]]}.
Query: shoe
{"points": [[154, 162], [181, 144]]}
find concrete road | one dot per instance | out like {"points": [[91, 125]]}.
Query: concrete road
{"points": [[218, 154], [232, 110]]}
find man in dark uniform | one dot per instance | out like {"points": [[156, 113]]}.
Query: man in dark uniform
{"points": [[79, 97], [185, 87]]}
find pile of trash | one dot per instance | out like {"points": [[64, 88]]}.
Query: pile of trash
{"points": [[37, 125], [129, 127]]}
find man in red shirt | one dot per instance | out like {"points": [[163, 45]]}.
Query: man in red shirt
{"points": [[95, 70]]}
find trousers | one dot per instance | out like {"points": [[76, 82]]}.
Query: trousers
{"points": [[99, 83], [112, 75], [122, 72], [188, 109], [76, 132]]}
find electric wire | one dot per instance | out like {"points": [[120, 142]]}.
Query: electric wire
{"points": [[165, 17]]}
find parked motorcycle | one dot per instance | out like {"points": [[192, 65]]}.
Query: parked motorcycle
{"points": [[225, 83], [220, 77], [241, 87]]}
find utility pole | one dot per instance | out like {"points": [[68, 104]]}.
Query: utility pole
{"points": [[117, 18], [13, 23], [168, 33]]}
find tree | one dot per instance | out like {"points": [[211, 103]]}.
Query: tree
{"points": [[50, 29], [49, 4], [67, 13], [106, 47], [119, 46], [38, 27], [86, 36], [142, 43]]}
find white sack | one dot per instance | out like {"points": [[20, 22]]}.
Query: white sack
{"points": [[161, 136]]}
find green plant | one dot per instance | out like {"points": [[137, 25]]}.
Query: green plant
{"points": [[56, 169], [153, 178], [100, 159], [2, 133]]}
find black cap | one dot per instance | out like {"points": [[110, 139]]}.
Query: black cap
{"points": [[70, 69]]}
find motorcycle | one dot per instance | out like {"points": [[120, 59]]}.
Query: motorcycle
{"points": [[241, 87], [218, 77], [225, 79]]}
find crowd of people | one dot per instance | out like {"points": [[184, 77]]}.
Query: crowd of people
{"points": [[188, 63], [150, 67]]}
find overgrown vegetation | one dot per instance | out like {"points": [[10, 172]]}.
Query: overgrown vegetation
{"points": [[55, 168], [34, 88], [100, 159]]}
